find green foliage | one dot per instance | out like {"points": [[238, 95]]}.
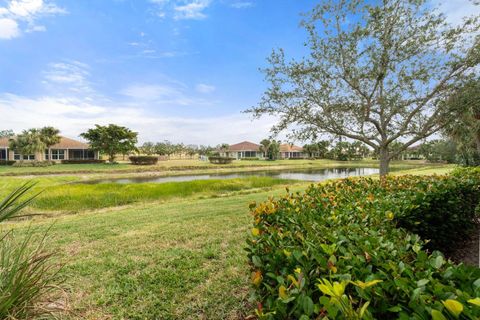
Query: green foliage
{"points": [[270, 148], [82, 161], [111, 139], [34, 140], [143, 160], [353, 249], [6, 133], [27, 275], [220, 160], [34, 163]]}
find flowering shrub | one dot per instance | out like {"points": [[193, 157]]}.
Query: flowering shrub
{"points": [[356, 249]]}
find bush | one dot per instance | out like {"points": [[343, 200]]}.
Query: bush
{"points": [[34, 163], [7, 162], [143, 160], [27, 274], [220, 160], [83, 161], [250, 159], [353, 249]]}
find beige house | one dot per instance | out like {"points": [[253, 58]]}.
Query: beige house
{"points": [[66, 149], [242, 150], [290, 151]]}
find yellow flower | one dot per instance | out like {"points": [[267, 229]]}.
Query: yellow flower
{"points": [[453, 306], [287, 253], [255, 232], [298, 270], [282, 292], [334, 290], [364, 285]]}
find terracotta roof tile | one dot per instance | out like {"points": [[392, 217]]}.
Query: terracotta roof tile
{"points": [[244, 146], [290, 148]]}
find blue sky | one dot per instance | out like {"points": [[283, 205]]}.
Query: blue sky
{"points": [[181, 70]]}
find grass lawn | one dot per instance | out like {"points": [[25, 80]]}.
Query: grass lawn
{"points": [[173, 166], [181, 259]]}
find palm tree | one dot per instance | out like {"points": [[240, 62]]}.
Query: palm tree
{"points": [[28, 142], [265, 146], [50, 137]]}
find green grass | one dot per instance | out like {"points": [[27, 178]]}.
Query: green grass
{"points": [[181, 259], [78, 197]]}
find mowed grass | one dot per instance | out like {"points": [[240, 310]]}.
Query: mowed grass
{"points": [[177, 260]]}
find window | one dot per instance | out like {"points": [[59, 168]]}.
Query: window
{"points": [[58, 154], [17, 156], [3, 154], [46, 154], [250, 154], [29, 157]]}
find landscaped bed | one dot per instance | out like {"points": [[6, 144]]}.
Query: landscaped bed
{"points": [[365, 249]]}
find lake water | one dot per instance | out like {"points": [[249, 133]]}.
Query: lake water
{"points": [[315, 175]]}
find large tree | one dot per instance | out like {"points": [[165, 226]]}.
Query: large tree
{"points": [[111, 140], [29, 142], [50, 136], [376, 73]]}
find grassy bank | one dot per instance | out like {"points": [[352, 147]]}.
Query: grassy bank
{"points": [[172, 166], [78, 197]]}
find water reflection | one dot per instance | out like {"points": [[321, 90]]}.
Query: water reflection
{"points": [[304, 175]]}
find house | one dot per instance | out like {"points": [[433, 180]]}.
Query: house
{"points": [[66, 149], [290, 151], [242, 150]]}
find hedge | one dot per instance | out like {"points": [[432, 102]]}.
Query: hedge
{"points": [[7, 162], [357, 249], [220, 160], [33, 163], [143, 160], [83, 161]]}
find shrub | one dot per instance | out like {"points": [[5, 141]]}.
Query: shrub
{"points": [[144, 160], [250, 159], [7, 162], [82, 161], [355, 249], [34, 163], [220, 160]]}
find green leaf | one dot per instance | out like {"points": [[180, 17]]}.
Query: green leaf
{"points": [[308, 305], [256, 261], [423, 282], [437, 315]]}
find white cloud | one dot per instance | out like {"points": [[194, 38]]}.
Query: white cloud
{"points": [[74, 116], [456, 10], [193, 10], [242, 4], [24, 14], [8, 28], [204, 88], [71, 75]]}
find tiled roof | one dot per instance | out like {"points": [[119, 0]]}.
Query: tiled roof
{"points": [[244, 146], [290, 148], [65, 143]]}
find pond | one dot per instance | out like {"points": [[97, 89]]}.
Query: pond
{"points": [[314, 175]]}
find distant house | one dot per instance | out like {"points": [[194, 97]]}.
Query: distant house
{"points": [[66, 149], [290, 151], [242, 150]]}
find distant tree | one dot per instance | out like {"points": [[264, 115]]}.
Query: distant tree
{"points": [[111, 140], [270, 148], [310, 149], [376, 72], [6, 133], [28, 142], [224, 147], [191, 150], [205, 150], [463, 121], [147, 148]]}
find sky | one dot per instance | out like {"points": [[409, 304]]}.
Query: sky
{"points": [[178, 70]]}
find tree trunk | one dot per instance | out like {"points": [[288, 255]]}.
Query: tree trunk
{"points": [[111, 158], [384, 161]]}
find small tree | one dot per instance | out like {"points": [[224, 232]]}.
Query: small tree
{"points": [[111, 140], [147, 148], [270, 148], [377, 73], [28, 142]]}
